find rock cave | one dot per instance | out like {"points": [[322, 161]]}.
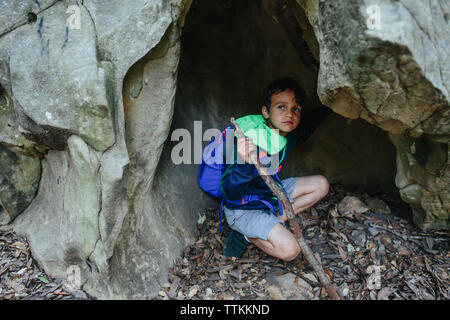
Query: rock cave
{"points": [[87, 117]]}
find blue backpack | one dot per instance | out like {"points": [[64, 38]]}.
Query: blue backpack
{"points": [[213, 169]]}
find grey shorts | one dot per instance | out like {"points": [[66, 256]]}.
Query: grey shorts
{"points": [[257, 223]]}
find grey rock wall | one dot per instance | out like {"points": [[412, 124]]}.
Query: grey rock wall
{"points": [[65, 87], [395, 76]]}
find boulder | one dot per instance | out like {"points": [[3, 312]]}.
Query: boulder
{"points": [[386, 62], [20, 166], [19, 182], [287, 286], [61, 223], [423, 178], [58, 86], [63, 86]]}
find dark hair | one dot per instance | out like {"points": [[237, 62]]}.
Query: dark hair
{"points": [[280, 85]]}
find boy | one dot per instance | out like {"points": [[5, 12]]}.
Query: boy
{"points": [[254, 222]]}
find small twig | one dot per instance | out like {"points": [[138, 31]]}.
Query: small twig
{"points": [[405, 238], [293, 223], [4, 270]]}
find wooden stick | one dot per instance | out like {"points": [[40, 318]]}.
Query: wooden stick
{"points": [[293, 223]]}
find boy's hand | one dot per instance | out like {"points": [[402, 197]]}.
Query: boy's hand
{"points": [[245, 147]]}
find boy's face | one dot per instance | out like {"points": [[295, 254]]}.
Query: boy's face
{"points": [[284, 112]]}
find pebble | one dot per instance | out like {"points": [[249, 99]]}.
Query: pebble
{"points": [[345, 292]]}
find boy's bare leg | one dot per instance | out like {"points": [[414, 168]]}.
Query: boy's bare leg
{"points": [[281, 243], [308, 191]]}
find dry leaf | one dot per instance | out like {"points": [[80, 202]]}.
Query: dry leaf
{"points": [[350, 204], [384, 293], [193, 291], [341, 252]]}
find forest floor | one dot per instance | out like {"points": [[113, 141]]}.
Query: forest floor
{"points": [[370, 254], [367, 244], [21, 277]]}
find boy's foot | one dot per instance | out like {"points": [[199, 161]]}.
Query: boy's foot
{"points": [[235, 244]]}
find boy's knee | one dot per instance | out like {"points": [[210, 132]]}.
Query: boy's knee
{"points": [[291, 251], [323, 185]]}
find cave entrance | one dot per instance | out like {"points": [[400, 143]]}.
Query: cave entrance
{"points": [[231, 50]]}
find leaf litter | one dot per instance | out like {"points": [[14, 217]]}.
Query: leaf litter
{"points": [[21, 278], [370, 254], [354, 247]]}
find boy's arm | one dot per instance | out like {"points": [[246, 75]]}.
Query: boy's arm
{"points": [[235, 184], [235, 180]]}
